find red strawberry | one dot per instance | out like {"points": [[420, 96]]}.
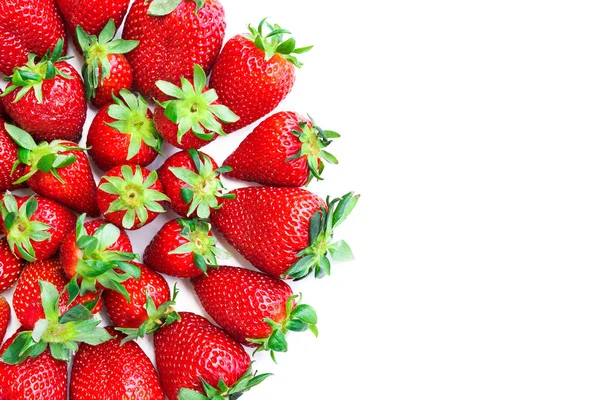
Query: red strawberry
{"points": [[56, 107], [123, 132], [183, 248], [2, 111], [174, 36], [27, 26], [191, 180], [8, 155], [284, 150], [35, 226], [255, 72], [114, 370], [189, 116], [10, 267], [285, 232], [130, 196], [195, 354], [4, 317]]}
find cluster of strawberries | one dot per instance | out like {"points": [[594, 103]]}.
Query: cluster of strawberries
{"points": [[67, 269]]}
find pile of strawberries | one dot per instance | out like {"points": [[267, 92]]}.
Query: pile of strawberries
{"points": [[66, 246]]}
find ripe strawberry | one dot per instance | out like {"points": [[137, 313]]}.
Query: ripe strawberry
{"points": [[10, 267], [130, 196], [284, 150], [27, 26], [34, 226], [285, 232], [56, 107], [255, 72], [59, 170], [192, 182], [4, 317], [189, 116], [124, 132], [254, 308], [114, 370], [183, 248], [194, 354], [9, 173], [174, 36]]}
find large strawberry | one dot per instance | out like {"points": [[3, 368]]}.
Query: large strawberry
{"points": [[123, 132], [35, 226], [10, 266], [27, 26], [190, 116], [105, 68], [114, 370], [183, 248], [254, 308], [59, 170], [9, 172], [255, 72], [194, 354], [285, 232], [284, 150], [46, 98], [4, 317], [131, 196], [191, 180], [174, 36]]}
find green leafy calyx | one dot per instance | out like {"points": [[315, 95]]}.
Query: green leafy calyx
{"points": [[160, 8], [200, 243], [222, 391]]}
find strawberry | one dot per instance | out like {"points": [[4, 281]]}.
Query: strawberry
{"points": [[174, 36], [183, 248], [131, 199], [9, 172], [114, 370], [4, 317], [27, 26], [105, 68], [56, 107], [254, 308], [191, 180], [284, 150], [194, 354], [285, 232], [189, 116], [10, 267], [255, 72], [34, 226], [124, 132], [59, 170]]}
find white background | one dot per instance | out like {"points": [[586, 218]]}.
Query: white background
{"points": [[471, 130]]}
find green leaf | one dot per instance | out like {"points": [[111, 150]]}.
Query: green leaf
{"points": [[31, 206], [341, 251], [39, 329], [277, 342], [170, 89], [223, 113], [287, 47], [77, 313], [50, 297], [46, 162], [121, 46], [189, 394], [108, 32], [160, 8], [344, 208], [305, 313], [22, 138], [60, 352]]}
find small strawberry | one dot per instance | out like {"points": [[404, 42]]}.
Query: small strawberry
{"points": [[194, 354], [56, 107], [192, 182], [183, 248], [114, 370], [10, 267], [189, 116], [34, 226], [130, 196], [255, 72], [9, 173], [59, 170], [4, 317], [105, 69], [284, 150], [285, 232]]}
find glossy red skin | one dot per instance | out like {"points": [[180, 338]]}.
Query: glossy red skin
{"points": [[2, 111], [4, 317], [27, 300], [104, 199], [10, 267], [109, 146], [121, 77], [262, 155], [27, 26], [239, 300], [62, 113], [250, 86], [268, 225], [170, 46], [78, 189], [112, 371], [40, 378], [172, 185], [70, 253], [8, 156], [61, 222], [194, 348], [132, 314]]}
